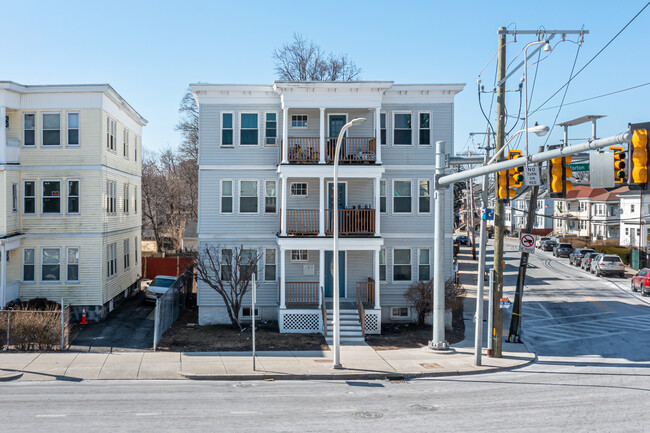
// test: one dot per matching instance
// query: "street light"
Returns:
(547, 47)
(336, 360)
(539, 130)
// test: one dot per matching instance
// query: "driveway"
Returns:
(128, 328)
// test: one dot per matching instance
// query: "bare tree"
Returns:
(229, 272)
(154, 197)
(304, 60)
(420, 294)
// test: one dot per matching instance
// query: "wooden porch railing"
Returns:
(301, 293)
(351, 221)
(353, 149)
(323, 310)
(302, 221)
(366, 291)
(303, 149)
(362, 313)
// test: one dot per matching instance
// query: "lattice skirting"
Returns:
(300, 321)
(373, 321)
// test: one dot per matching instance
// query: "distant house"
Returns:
(605, 215)
(572, 214)
(190, 239)
(634, 218)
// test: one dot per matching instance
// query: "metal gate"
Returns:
(634, 259)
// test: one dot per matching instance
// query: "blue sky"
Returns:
(150, 51)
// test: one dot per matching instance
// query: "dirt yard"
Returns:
(407, 336)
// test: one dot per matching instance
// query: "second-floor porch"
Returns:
(308, 150)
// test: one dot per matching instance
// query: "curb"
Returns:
(6, 377)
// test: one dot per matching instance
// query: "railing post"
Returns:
(376, 278)
(283, 207)
(283, 284)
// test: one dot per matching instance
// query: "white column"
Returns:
(3, 137)
(321, 274)
(321, 153)
(378, 133)
(376, 278)
(321, 208)
(285, 135)
(283, 282)
(377, 206)
(3, 269)
(283, 207)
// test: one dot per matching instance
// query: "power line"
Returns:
(596, 97)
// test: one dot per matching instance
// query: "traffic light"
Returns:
(559, 172)
(516, 175)
(504, 191)
(638, 175)
(619, 163)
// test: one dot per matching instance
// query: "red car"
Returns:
(641, 281)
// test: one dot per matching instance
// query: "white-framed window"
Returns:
(401, 196)
(249, 129)
(135, 199)
(29, 265)
(50, 264)
(14, 197)
(248, 262)
(110, 134)
(270, 196)
(127, 254)
(111, 197)
(271, 129)
(111, 259)
(125, 198)
(270, 264)
(402, 129)
(246, 312)
(72, 136)
(298, 189)
(382, 127)
(424, 203)
(135, 250)
(400, 313)
(299, 120)
(382, 264)
(135, 148)
(51, 130)
(29, 197)
(72, 264)
(299, 255)
(424, 128)
(424, 264)
(631, 208)
(401, 264)
(248, 193)
(226, 196)
(226, 129)
(226, 264)
(29, 130)
(73, 197)
(125, 143)
(382, 196)
(51, 197)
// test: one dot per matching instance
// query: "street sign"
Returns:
(488, 214)
(531, 175)
(527, 243)
(505, 303)
(579, 166)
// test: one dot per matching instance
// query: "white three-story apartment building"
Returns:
(70, 169)
(265, 183)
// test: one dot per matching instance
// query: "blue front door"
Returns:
(329, 281)
(337, 121)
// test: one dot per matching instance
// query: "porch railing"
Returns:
(303, 149)
(362, 313)
(353, 149)
(323, 310)
(366, 292)
(302, 221)
(351, 221)
(301, 293)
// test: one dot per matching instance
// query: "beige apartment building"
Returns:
(70, 212)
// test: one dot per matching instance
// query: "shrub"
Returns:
(33, 325)
(420, 294)
(622, 252)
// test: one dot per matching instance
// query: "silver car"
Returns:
(608, 264)
(158, 286)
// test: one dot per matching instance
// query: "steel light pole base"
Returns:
(337, 366)
(440, 345)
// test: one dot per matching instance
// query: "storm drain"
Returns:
(396, 379)
(368, 415)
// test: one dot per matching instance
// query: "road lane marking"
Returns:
(340, 410)
(147, 413)
(244, 412)
(51, 415)
(598, 304)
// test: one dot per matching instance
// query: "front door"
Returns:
(342, 198)
(337, 121)
(329, 270)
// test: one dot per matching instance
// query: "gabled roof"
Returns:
(611, 195)
(584, 191)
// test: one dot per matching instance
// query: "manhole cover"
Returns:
(243, 385)
(424, 408)
(368, 415)
(323, 360)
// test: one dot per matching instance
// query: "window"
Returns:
(248, 130)
(28, 264)
(424, 266)
(125, 139)
(425, 197)
(226, 196)
(29, 130)
(271, 130)
(110, 134)
(399, 312)
(270, 196)
(29, 197)
(73, 129)
(72, 264)
(382, 196)
(299, 189)
(382, 265)
(298, 120)
(73, 196)
(135, 250)
(51, 264)
(226, 129)
(401, 265)
(125, 198)
(51, 129)
(135, 199)
(111, 259)
(402, 129)
(425, 129)
(51, 196)
(382, 127)
(111, 196)
(246, 312)
(135, 148)
(298, 255)
(269, 264)
(248, 196)
(127, 254)
(14, 197)
(226, 264)
(631, 208)
(248, 263)
(402, 196)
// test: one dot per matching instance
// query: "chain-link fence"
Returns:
(169, 305)
(35, 330)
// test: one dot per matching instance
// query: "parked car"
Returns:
(608, 264)
(462, 240)
(641, 282)
(592, 268)
(562, 250)
(585, 263)
(158, 286)
(548, 245)
(541, 241)
(575, 258)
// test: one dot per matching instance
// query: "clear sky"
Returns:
(149, 51)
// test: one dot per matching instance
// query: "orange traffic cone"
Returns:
(83, 317)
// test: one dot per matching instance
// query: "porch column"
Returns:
(378, 134)
(321, 153)
(285, 135)
(321, 275)
(283, 208)
(376, 278)
(377, 205)
(3, 137)
(283, 283)
(3, 269)
(321, 207)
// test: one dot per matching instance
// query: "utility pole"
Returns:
(471, 216)
(499, 209)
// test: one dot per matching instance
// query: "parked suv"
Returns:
(641, 282)
(608, 264)
(562, 250)
(585, 263)
(575, 258)
(548, 245)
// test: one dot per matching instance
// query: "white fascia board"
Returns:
(379, 86)
(332, 99)
(323, 243)
(422, 93)
(235, 94)
(326, 170)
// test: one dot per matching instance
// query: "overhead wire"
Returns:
(596, 97)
